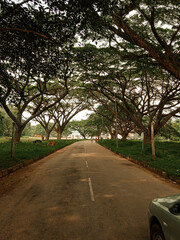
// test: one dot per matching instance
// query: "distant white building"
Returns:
(75, 135)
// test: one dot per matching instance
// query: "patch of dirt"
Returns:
(18, 177)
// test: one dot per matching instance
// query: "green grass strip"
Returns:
(167, 154)
(28, 150)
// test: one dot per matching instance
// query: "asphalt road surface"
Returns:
(82, 192)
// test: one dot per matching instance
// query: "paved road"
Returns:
(83, 192)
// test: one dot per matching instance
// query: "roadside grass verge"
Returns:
(167, 154)
(28, 150)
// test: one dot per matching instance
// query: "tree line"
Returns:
(51, 68)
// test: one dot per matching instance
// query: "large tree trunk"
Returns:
(147, 138)
(113, 135)
(59, 135)
(124, 137)
(47, 135)
(17, 135)
(82, 134)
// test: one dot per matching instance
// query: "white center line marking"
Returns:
(91, 190)
(86, 164)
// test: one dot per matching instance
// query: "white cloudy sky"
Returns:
(82, 115)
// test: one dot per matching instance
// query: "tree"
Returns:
(176, 125)
(65, 110)
(34, 79)
(110, 114)
(145, 100)
(94, 125)
(107, 119)
(45, 119)
(144, 94)
(32, 90)
(36, 40)
(5, 124)
(80, 126)
(39, 130)
(27, 130)
(67, 131)
(150, 28)
(170, 131)
(91, 127)
(1, 124)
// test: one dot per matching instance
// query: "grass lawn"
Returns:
(167, 154)
(27, 150)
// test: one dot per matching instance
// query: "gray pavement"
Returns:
(83, 192)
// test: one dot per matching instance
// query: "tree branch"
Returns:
(26, 31)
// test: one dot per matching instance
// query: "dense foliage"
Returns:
(135, 65)
(138, 29)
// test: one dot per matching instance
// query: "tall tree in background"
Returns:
(46, 121)
(112, 119)
(144, 94)
(5, 124)
(80, 126)
(169, 132)
(65, 110)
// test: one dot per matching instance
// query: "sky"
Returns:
(82, 115)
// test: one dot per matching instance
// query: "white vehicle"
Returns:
(164, 218)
